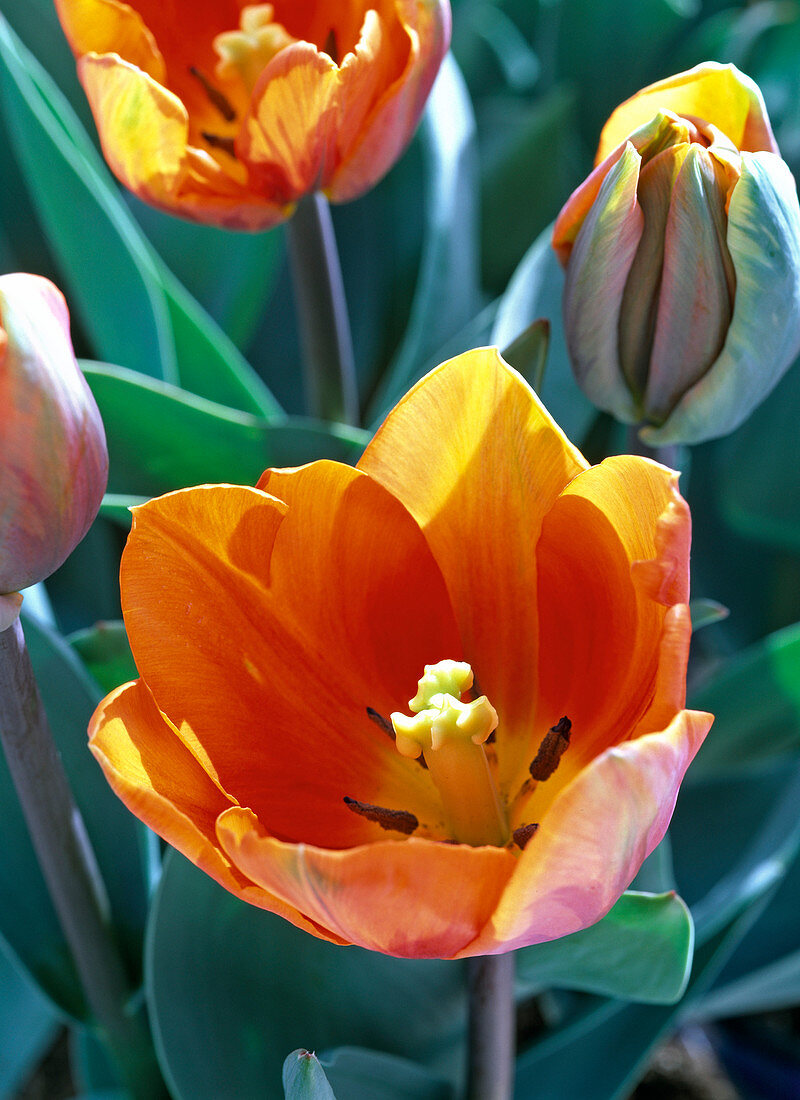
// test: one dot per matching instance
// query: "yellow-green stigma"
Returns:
(451, 734)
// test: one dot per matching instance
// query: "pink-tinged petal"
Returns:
(53, 453)
(597, 273)
(695, 301)
(412, 899)
(479, 463)
(151, 771)
(268, 627)
(594, 838)
(719, 94)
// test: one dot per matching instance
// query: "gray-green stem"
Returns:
(492, 1027)
(329, 368)
(69, 867)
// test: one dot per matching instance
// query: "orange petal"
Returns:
(288, 137)
(144, 130)
(402, 62)
(150, 770)
(110, 26)
(413, 899)
(594, 838)
(614, 553)
(478, 461)
(269, 628)
(719, 94)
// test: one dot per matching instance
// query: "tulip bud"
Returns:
(682, 255)
(52, 448)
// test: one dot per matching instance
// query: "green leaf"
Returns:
(28, 1025)
(231, 988)
(359, 1074)
(528, 353)
(756, 700)
(161, 438)
(304, 1078)
(112, 282)
(105, 653)
(447, 294)
(535, 292)
(641, 951)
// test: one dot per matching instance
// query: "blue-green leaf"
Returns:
(304, 1078)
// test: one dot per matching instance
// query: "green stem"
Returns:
(69, 867)
(671, 454)
(491, 1027)
(330, 376)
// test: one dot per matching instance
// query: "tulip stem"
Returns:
(69, 867)
(669, 454)
(330, 375)
(491, 1027)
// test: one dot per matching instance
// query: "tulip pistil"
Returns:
(451, 733)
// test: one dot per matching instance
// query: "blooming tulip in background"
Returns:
(682, 255)
(52, 447)
(535, 605)
(228, 113)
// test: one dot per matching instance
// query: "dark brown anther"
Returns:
(216, 98)
(523, 834)
(399, 820)
(381, 722)
(331, 47)
(553, 745)
(216, 141)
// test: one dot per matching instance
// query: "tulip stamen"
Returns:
(399, 821)
(452, 734)
(523, 833)
(217, 141)
(554, 744)
(216, 98)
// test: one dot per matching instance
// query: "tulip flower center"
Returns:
(451, 734)
(244, 54)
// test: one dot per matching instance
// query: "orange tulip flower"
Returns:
(280, 631)
(228, 113)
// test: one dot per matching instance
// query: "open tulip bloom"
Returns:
(682, 255)
(228, 113)
(532, 608)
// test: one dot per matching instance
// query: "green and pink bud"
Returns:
(52, 447)
(682, 256)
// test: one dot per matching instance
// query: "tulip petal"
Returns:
(288, 137)
(412, 899)
(695, 301)
(594, 838)
(52, 445)
(613, 555)
(764, 335)
(479, 462)
(268, 627)
(151, 771)
(719, 94)
(599, 265)
(413, 50)
(144, 130)
(110, 26)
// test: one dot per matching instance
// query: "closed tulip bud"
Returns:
(682, 256)
(52, 447)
